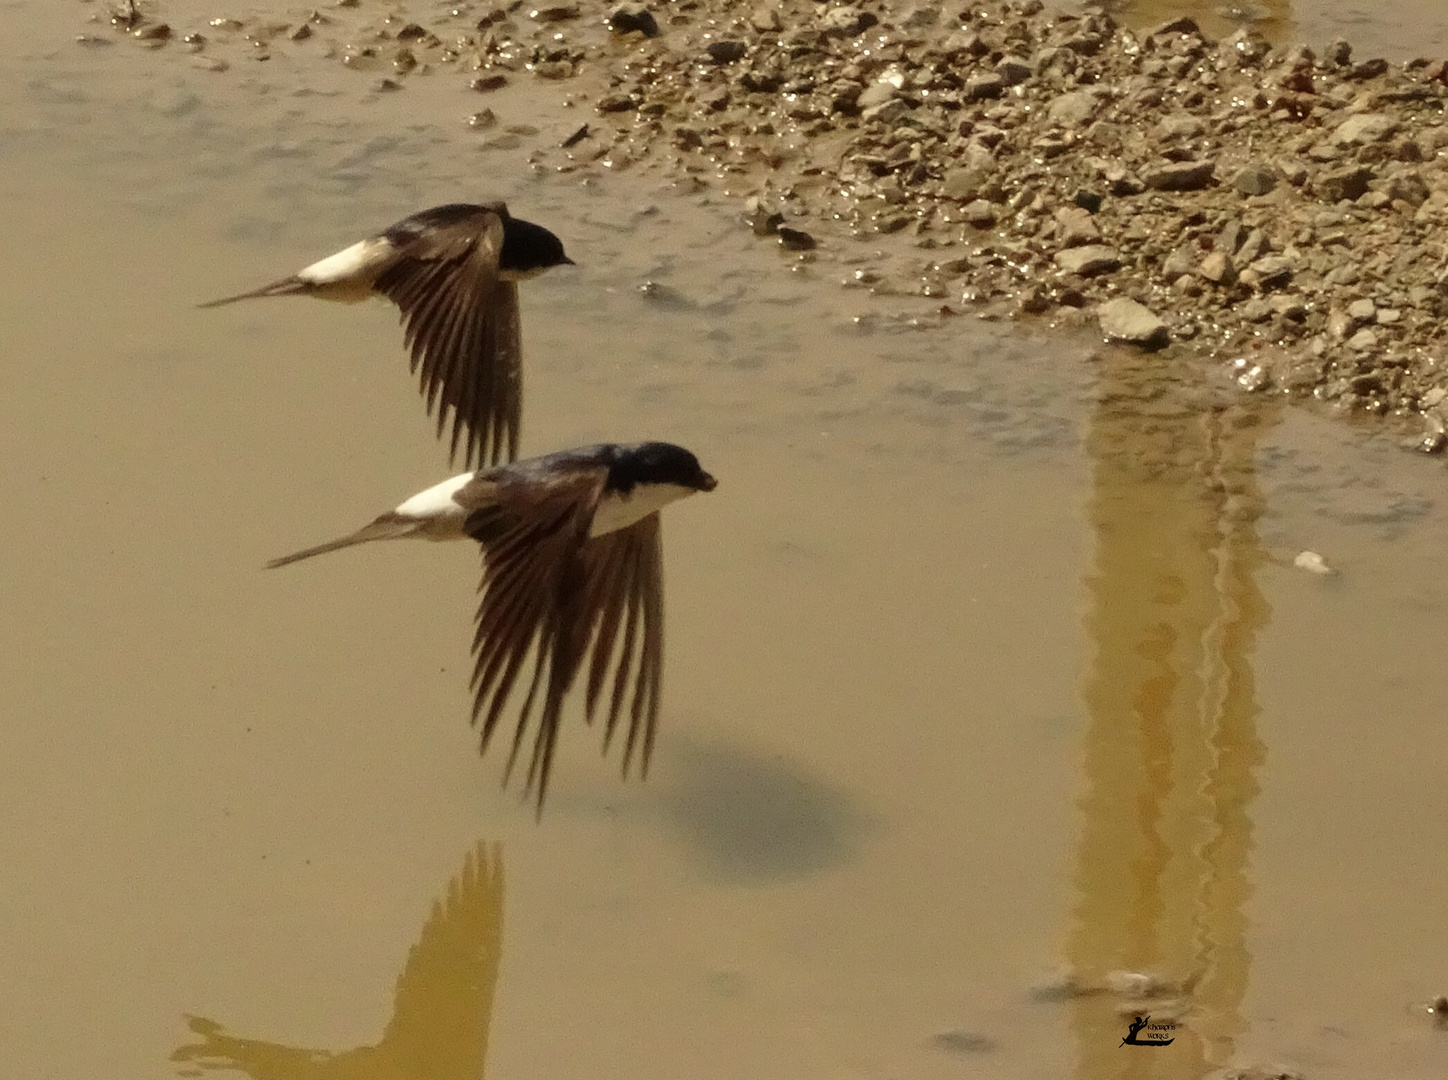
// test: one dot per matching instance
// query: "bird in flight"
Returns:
(573, 573)
(454, 272)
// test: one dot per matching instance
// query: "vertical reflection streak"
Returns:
(1171, 748)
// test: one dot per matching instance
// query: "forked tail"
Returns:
(387, 527)
(290, 286)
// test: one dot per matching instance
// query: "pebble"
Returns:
(1271, 272)
(979, 213)
(1218, 269)
(632, 19)
(1363, 341)
(1088, 261)
(1347, 183)
(1073, 109)
(1013, 70)
(727, 51)
(1075, 227)
(1252, 246)
(1123, 319)
(988, 85)
(1366, 128)
(795, 239)
(1179, 176)
(1255, 179)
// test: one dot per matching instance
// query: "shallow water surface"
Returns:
(1395, 29)
(990, 678)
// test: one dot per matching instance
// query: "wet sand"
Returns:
(985, 660)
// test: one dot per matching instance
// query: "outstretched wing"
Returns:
(533, 589)
(461, 328)
(623, 611)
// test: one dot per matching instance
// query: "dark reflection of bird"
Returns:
(442, 1010)
(453, 271)
(574, 563)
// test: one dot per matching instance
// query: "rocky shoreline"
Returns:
(1282, 211)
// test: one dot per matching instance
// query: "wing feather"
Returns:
(568, 603)
(461, 331)
(532, 539)
(626, 570)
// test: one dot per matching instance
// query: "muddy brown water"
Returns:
(987, 660)
(1396, 29)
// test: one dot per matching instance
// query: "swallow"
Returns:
(573, 572)
(453, 271)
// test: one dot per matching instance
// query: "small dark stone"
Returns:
(616, 103)
(484, 83)
(1255, 180)
(989, 85)
(1123, 183)
(1089, 201)
(1349, 183)
(1375, 68)
(1180, 176)
(795, 239)
(1339, 53)
(1013, 70)
(634, 19)
(727, 51)
(410, 32)
(576, 138)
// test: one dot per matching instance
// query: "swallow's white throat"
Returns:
(617, 511)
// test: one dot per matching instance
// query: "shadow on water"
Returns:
(749, 819)
(1171, 744)
(441, 1013)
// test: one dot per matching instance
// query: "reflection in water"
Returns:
(1171, 742)
(442, 1012)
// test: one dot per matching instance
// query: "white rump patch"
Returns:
(620, 511)
(358, 264)
(437, 501)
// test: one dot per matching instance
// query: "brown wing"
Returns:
(533, 589)
(624, 613)
(461, 328)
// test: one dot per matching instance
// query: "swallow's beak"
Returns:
(567, 262)
(706, 482)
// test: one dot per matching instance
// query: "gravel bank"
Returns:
(1282, 211)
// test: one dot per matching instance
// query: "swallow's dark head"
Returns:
(529, 249)
(658, 463)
